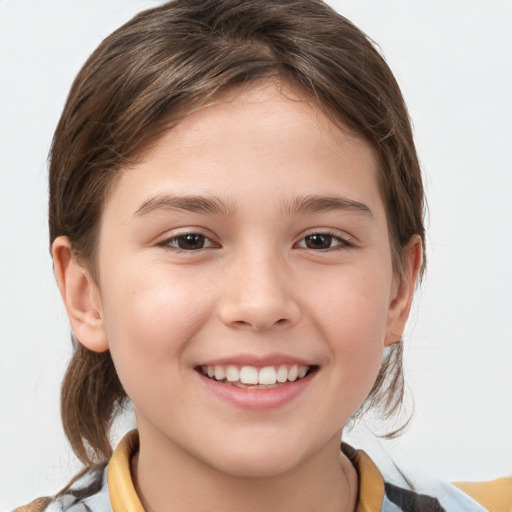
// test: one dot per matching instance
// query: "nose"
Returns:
(258, 294)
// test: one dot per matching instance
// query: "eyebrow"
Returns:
(216, 206)
(316, 204)
(201, 204)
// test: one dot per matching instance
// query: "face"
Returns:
(245, 284)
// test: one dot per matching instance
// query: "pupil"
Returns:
(318, 241)
(191, 242)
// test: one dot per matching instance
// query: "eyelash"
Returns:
(342, 243)
(173, 242)
(168, 242)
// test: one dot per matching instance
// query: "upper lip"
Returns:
(257, 360)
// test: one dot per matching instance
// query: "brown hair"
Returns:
(167, 62)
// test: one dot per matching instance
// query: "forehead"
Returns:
(267, 134)
(269, 113)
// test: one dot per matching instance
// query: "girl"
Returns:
(236, 225)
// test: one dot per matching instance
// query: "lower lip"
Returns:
(258, 399)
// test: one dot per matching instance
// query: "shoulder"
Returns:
(35, 506)
(430, 494)
(495, 496)
(474, 497)
(87, 493)
(386, 488)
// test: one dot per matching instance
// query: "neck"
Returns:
(325, 482)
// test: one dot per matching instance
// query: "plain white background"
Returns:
(453, 60)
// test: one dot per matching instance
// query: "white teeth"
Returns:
(282, 374)
(266, 376)
(232, 373)
(220, 374)
(293, 373)
(248, 375)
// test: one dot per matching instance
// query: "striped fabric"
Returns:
(112, 490)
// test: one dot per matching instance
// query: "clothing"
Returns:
(116, 492)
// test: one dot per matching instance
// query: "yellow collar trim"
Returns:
(371, 483)
(495, 495)
(121, 490)
(124, 497)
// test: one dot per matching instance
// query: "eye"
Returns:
(323, 241)
(188, 242)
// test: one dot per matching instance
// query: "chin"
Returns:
(258, 460)
(268, 468)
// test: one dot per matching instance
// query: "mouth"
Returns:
(252, 377)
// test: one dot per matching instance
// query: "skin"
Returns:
(259, 286)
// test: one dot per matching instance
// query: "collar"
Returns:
(371, 484)
(124, 497)
(120, 484)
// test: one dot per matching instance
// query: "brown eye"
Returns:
(318, 241)
(188, 242)
(323, 241)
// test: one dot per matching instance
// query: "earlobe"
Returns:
(80, 295)
(401, 300)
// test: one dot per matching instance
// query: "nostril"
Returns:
(259, 324)
(241, 323)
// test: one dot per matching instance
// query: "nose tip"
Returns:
(259, 301)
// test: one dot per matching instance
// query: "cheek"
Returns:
(149, 320)
(352, 315)
(353, 305)
(149, 317)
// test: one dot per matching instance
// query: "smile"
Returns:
(257, 388)
(252, 377)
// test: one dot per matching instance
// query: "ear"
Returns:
(80, 295)
(403, 290)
